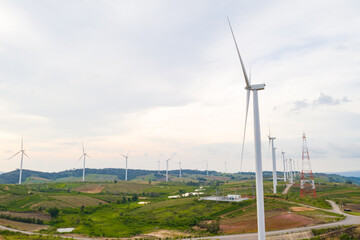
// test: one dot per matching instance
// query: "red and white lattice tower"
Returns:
(307, 184)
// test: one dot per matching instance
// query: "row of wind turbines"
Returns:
(290, 166)
(85, 155)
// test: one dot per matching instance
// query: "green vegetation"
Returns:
(341, 233)
(111, 208)
(7, 235)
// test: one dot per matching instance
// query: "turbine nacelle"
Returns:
(253, 87)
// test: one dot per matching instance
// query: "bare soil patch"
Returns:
(36, 215)
(42, 179)
(90, 188)
(23, 226)
(291, 236)
(78, 201)
(166, 234)
(94, 190)
(300, 209)
(282, 221)
(354, 207)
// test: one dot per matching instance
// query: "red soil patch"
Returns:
(40, 178)
(300, 209)
(92, 190)
(354, 207)
(217, 178)
(283, 221)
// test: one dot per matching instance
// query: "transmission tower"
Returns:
(307, 184)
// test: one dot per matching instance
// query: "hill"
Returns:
(349, 174)
(111, 174)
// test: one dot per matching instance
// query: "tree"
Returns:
(134, 198)
(54, 212)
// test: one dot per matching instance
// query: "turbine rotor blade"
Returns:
(83, 147)
(26, 155)
(246, 115)
(80, 157)
(241, 62)
(14, 155)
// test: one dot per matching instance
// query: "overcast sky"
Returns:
(162, 77)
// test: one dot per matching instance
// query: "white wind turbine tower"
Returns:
(167, 167)
(207, 168)
(22, 151)
(126, 164)
(179, 168)
(225, 166)
(259, 177)
(284, 162)
(294, 168)
(158, 161)
(271, 140)
(298, 168)
(84, 155)
(291, 171)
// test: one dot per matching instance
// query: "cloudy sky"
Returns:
(162, 77)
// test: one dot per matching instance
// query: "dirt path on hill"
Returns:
(288, 186)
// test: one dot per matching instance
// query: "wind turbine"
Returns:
(158, 161)
(284, 162)
(22, 151)
(271, 140)
(207, 168)
(84, 155)
(291, 171)
(167, 167)
(180, 168)
(126, 164)
(225, 166)
(259, 177)
(296, 166)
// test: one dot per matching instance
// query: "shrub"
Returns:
(54, 212)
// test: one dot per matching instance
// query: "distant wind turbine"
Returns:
(158, 166)
(84, 155)
(284, 163)
(291, 170)
(167, 167)
(207, 168)
(22, 151)
(126, 164)
(271, 141)
(179, 169)
(259, 177)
